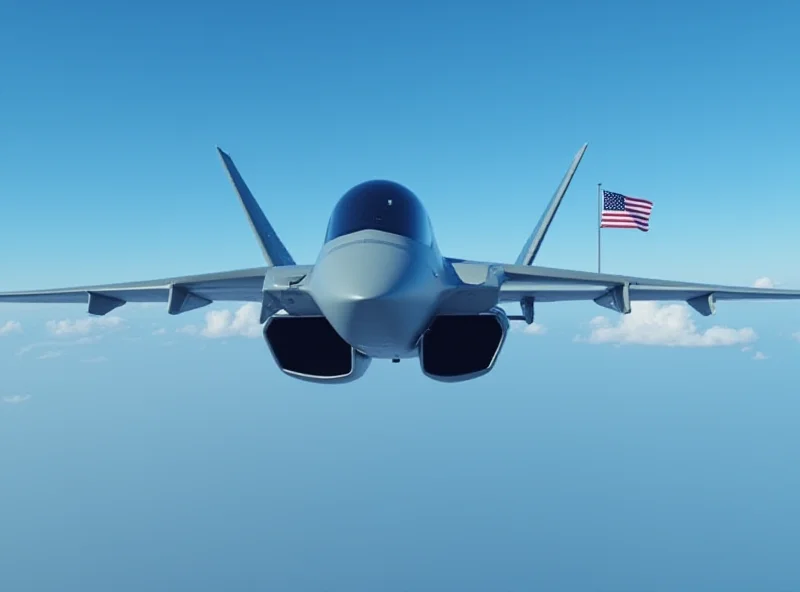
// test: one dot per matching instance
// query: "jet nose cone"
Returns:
(365, 271)
(376, 295)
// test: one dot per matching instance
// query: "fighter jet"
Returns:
(381, 288)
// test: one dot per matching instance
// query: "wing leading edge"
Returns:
(268, 285)
(521, 283)
(616, 292)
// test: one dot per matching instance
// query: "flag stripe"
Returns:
(626, 221)
(611, 218)
(621, 211)
(638, 201)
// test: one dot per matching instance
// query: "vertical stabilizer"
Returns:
(531, 248)
(275, 252)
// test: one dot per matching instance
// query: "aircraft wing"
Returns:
(526, 284)
(272, 286)
(529, 284)
(278, 286)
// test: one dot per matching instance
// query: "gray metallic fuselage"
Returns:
(379, 290)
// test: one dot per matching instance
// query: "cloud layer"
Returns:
(10, 327)
(87, 340)
(95, 360)
(763, 282)
(668, 325)
(83, 326)
(532, 329)
(244, 322)
(16, 399)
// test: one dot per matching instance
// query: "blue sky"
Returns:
(653, 452)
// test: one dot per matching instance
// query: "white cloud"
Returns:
(532, 329)
(796, 336)
(80, 341)
(535, 329)
(159, 331)
(669, 325)
(10, 327)
(759, 356)
(84, 326)
(16, 399)
(763, 282)
(747, 348)
(50, 355)
(243, 322)
(224, 323)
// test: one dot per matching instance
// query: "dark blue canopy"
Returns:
(380, 205)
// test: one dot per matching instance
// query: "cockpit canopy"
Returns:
(380, 205)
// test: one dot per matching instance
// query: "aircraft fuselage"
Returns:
(380, 275)
(382, 289)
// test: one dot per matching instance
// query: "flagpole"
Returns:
(599, 221)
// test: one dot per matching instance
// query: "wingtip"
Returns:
(581, 152)
(221, 152)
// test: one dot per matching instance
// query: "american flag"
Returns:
(621, 211)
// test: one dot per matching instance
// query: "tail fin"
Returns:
(531, 248)
(275, 252)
